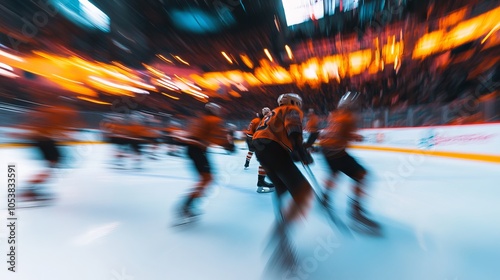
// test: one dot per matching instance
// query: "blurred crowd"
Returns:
(441, 84)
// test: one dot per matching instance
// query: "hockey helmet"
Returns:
(213, 108)
(349, 100)
(290, 99)
(266, 111)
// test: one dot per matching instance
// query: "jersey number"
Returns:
(263, 124)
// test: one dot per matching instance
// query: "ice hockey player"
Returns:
(113, 129)
(252, 126)
(48, 127)
(340, 131)
(206, 130)
(278, 143)
(262, 185)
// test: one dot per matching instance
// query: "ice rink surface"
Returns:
(440, 221)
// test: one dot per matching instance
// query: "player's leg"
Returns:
(333, 160)
(286, 177)
(52, 156)
(262, 185)
(250, 151)
(202, 166)
(357, 204)
(279, 160)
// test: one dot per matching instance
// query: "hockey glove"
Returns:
(231, 148)
(299, 152)
(302, 155)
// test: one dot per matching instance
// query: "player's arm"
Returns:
(221, 136)
(293, 126)
(314, 123)
(353, 131)
(249, 127)
(356, 137)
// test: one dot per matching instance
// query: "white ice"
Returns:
(440, 220)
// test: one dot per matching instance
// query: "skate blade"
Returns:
(185, 221)
(282, 261)
(35, 203)
(366, 230)
(265, 191)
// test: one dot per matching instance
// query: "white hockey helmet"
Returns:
(213, 108)
(266, 111)
(349, 100)
(290, 99)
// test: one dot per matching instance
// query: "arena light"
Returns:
(83, 13)
(289, 51)
(428, 44)
(67, 80)
(491, 32)
(246, 60)
(227, 57)
(164, 58)
(118, 86)
(6, 73)
(11, 56)
(170, 96)
(181, 60)
(268, 54)
(5, 66)
(93, 100)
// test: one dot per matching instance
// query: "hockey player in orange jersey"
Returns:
(206, 130)
(252, 126)
(262, 185)
(278, 143)
(339, 133)
(48, 126)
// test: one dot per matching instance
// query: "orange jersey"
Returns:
(341, 130)
(312, 123)
(253, 126)
(52, 122)
(134, 130)
(279, 124)
(205, 131)
(148, 131)
(120, 130)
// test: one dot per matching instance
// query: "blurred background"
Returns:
(415, 62)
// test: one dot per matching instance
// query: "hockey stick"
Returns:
(333, 217)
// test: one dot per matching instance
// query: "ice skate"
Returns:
(265, 189)
(33, 197)
(263, 186)
(284, 256)
(361, 223)
(186, 215)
